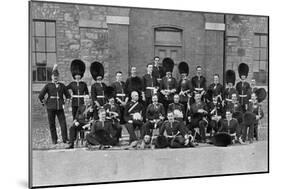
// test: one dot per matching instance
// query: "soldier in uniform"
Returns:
(228, 130)
(178, 109)
(235, 107)
(112, 110)
(97, 89)
(243, 87)
(215, 114)
(157, 71)
(184, 86)
(168, 84)
(102, 132)
(54, 103)
(82, 121)
(229, 90)
(199, 82)
(134, 83)
(199, 111)
(155, 115)
(150, 85)
(253, 86)
(133, 116)
(255, 107)
(79, 88)
(176, 137)
(121, 99)
(216, 89)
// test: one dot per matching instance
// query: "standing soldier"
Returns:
(256, 108)
(97, 89)
(199, 82)
(184, 86)
(54, 103)
(150, 85)
(79, 88)
(243, 87)
(157, 71)
(134, 83)
(229, 90)
(253, 86)
(216, 89)
(168, 84)
(119, 87)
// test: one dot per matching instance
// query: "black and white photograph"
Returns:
(125, 94)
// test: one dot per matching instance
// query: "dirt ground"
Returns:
(56, 167)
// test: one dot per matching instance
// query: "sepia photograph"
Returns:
(125, 94)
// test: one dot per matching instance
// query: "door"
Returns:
(174, 53)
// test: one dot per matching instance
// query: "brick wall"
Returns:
(240, 31)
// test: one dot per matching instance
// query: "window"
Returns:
(260, 56)
(168, 36)
(43, 49)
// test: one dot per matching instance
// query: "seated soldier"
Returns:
(155, 113)
(102, 132)
(215, 113)
(175, 137)
(113, 114)
(133, 116)
(198, 111)
(82, 120)
(230, 125)
(236, 109)
(178, 109)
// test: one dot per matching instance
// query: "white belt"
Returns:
(120, 94)
(199, 89)
(100, 96)
(243, 95)
(229, 100)
(78, 96)
(151, 88)
(56, 97)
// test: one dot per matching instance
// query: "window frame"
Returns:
(35, 52)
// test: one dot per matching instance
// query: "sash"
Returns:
(132, 107)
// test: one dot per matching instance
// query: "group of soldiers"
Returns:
(182, 111)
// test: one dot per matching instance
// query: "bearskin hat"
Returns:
(243, 69)
(261, 94)
(239, 116)
(161, 142)
(168, 65)
(183, 68)
(77, 67)
(96, 70)
(55, 70)
(249, 118)
(230, 77)
(222, 139)
(109, 92)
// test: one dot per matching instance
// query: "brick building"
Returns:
(121, 37)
